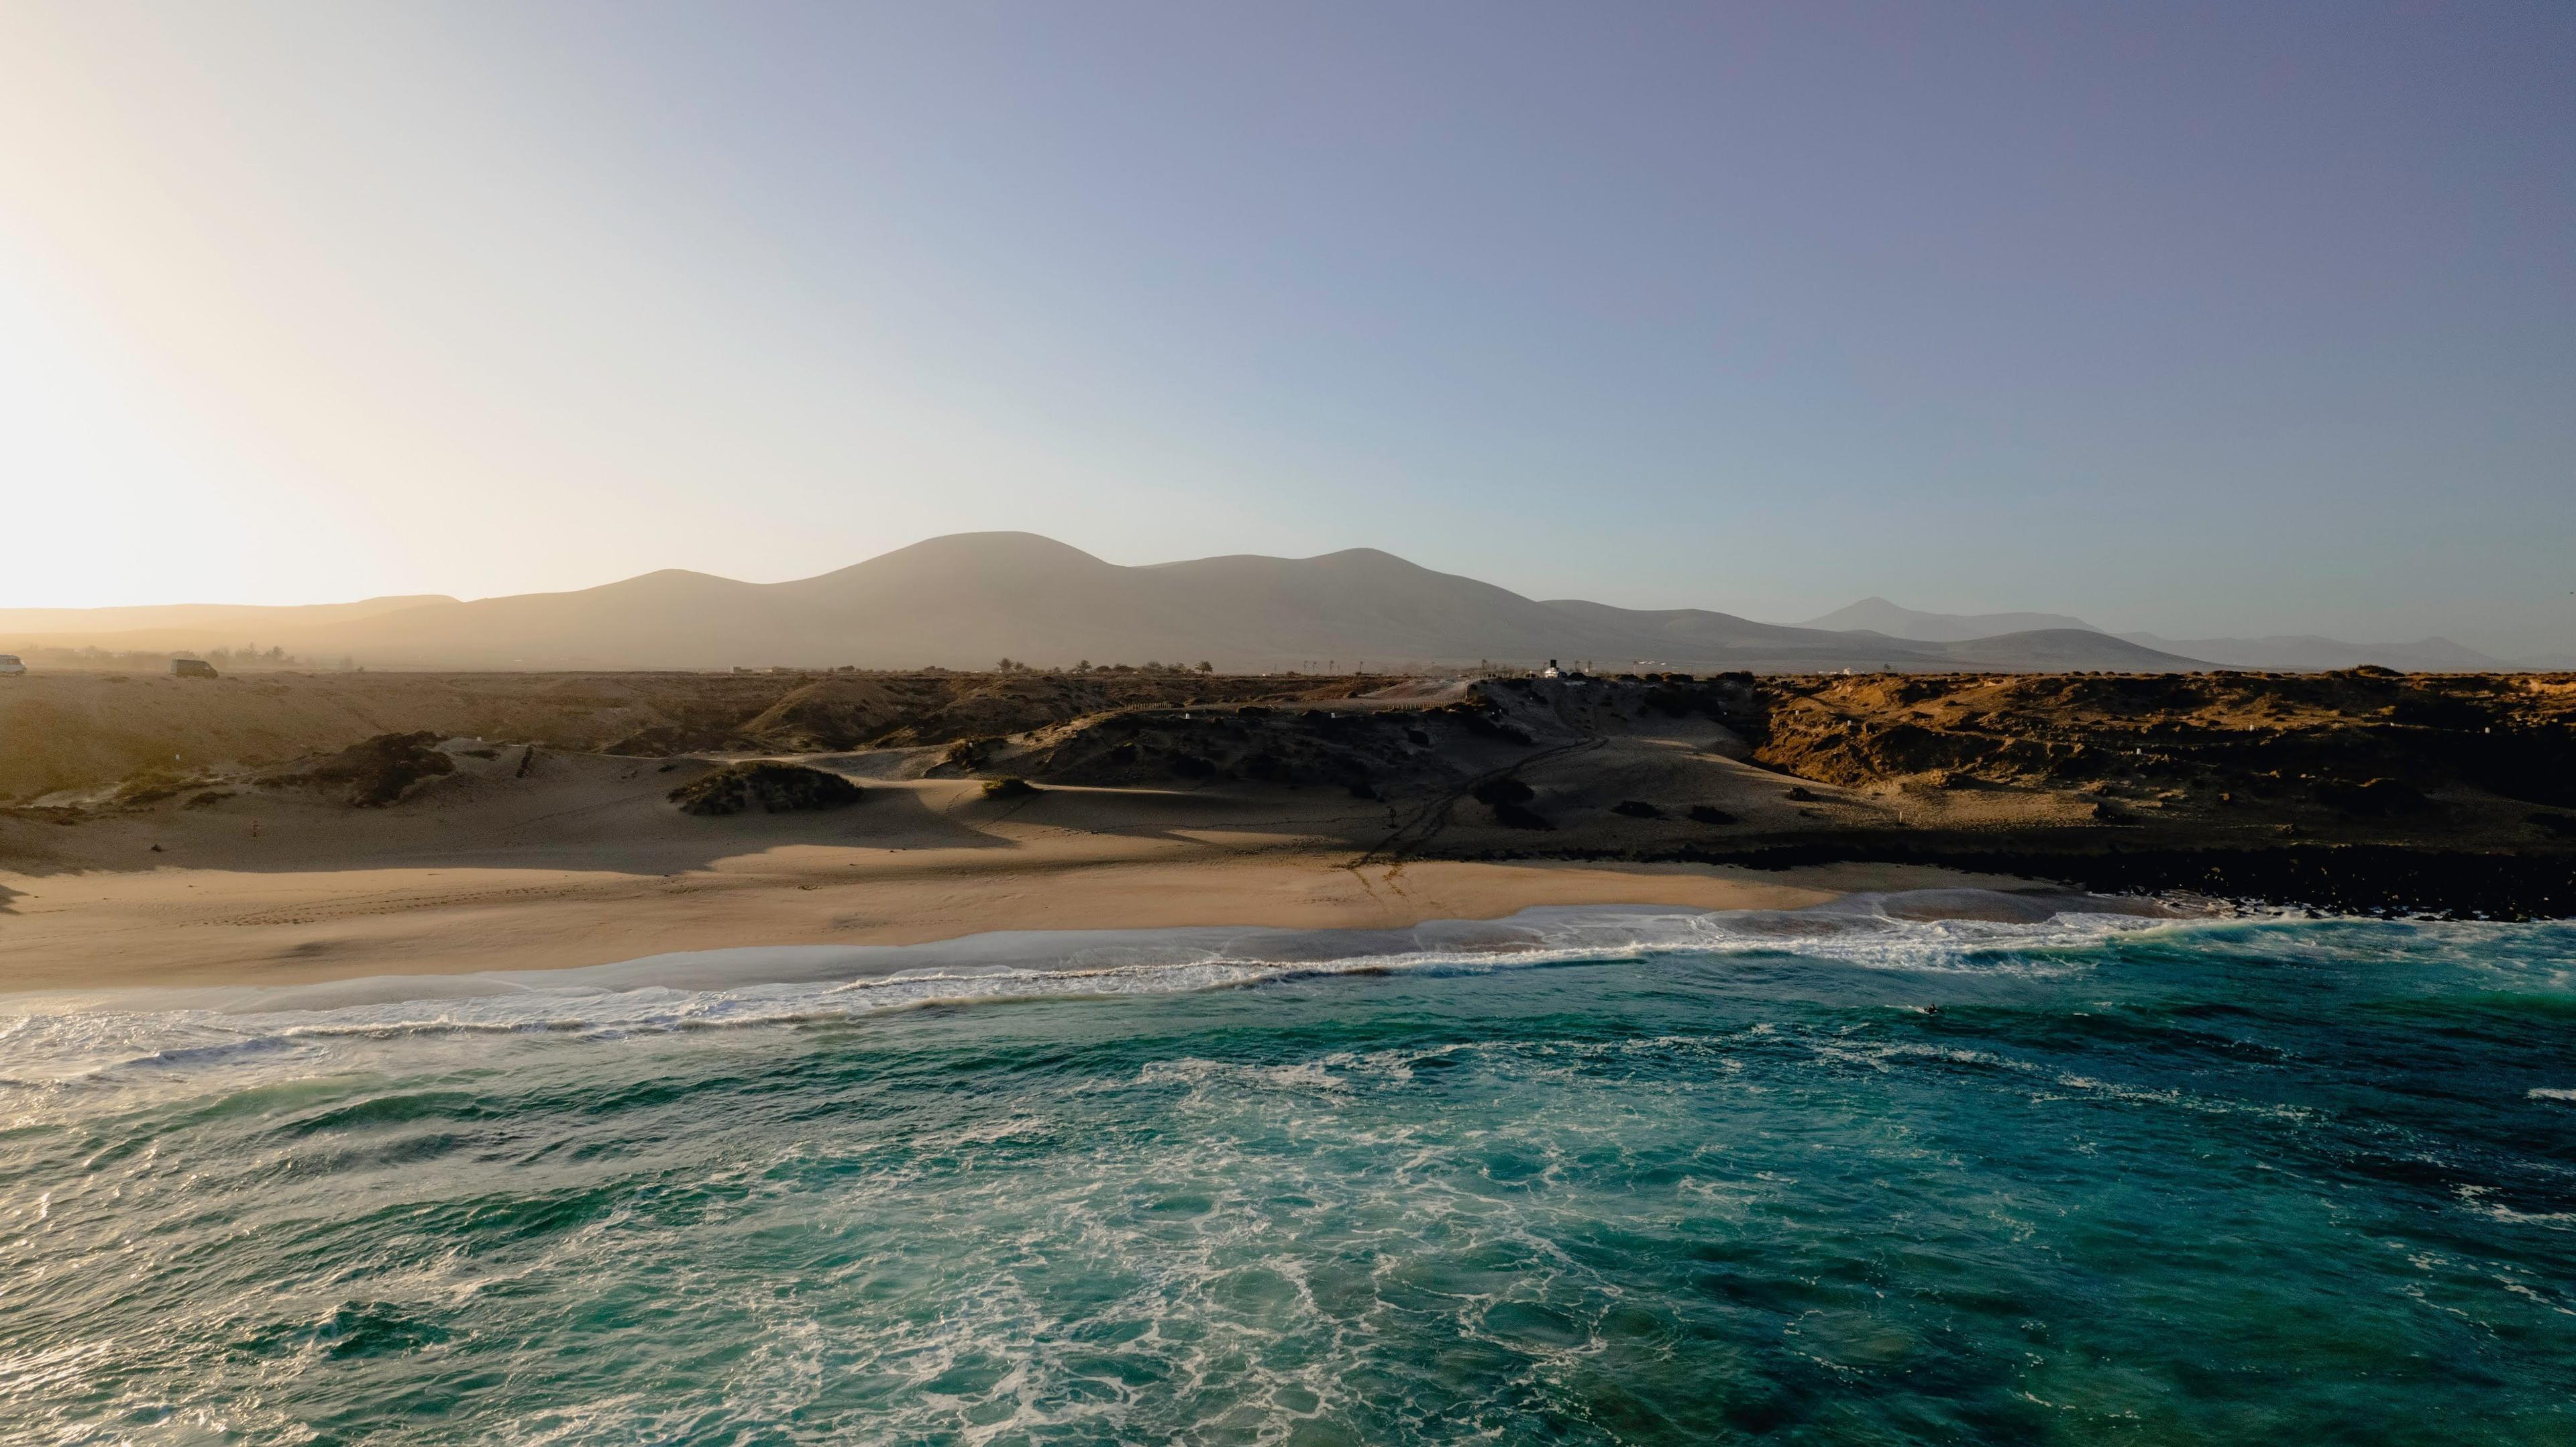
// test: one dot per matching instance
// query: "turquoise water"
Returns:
(1858, 1177)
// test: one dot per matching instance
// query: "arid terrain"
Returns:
(77, 731)
(299, 826)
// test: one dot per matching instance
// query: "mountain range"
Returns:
(967, 600)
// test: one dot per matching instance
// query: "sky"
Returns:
(2205, 320)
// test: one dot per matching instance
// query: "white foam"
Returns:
(55, 1038)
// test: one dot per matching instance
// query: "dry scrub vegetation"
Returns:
(1994, 771)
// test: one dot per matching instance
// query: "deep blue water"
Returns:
(1890, 1181)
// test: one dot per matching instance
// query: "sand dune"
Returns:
(582, 860)
(1224, 801)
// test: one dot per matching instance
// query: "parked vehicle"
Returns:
(10, 666)
(191, 668)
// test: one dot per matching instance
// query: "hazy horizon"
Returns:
(2200, 323)
(964, 600)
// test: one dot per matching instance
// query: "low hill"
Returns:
(1877, 615)
(2068, 649)
(2309, 652)
(2287, 652)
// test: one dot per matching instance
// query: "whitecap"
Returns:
(63, 1037)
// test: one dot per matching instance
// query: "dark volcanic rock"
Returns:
(2373, 798)
(777, 788)
(382, 769)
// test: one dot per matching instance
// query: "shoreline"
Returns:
(2381, 881)
(470, 858)
(179, 928)
(756, 983)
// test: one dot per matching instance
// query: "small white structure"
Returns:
(1550, 671)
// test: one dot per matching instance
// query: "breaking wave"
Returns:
(1939, 931)
(1991, 1167)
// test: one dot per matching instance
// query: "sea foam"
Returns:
(63, 1035)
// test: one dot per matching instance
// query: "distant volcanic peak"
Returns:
(1005, 549)
(1372, 558)
(1345, 561)
(670, 580)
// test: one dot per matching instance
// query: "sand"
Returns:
(585, 863)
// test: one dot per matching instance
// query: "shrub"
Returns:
(774, 787)
(1009, 789)
(382, 769)
(1481, 723)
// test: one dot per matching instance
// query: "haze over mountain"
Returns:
(220, 621)
(965, 600)
(2282, 651)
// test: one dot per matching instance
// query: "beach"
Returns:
(592, 866)
(293, 828)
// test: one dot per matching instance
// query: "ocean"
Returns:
(1923, 1168)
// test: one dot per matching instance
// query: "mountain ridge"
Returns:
(964, 600)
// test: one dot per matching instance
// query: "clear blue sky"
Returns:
(2224, 319)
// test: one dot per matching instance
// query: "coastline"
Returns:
(2383, 881)
(413, 857)
(175, 928)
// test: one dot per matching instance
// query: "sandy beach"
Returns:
(595, 868)
(204, 838)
